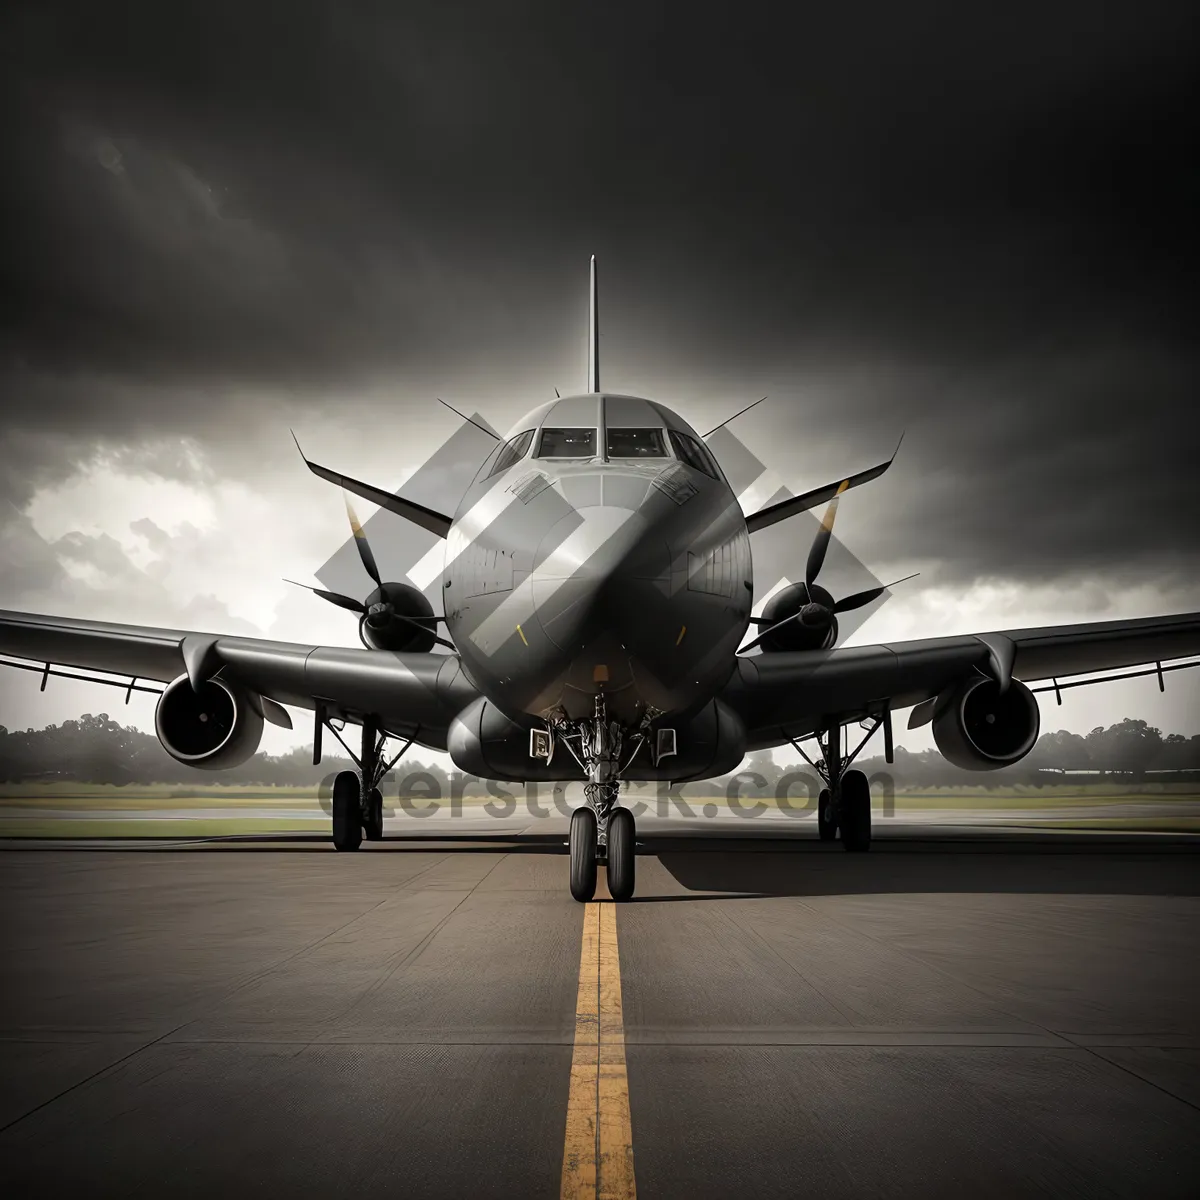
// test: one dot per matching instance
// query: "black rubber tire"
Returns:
(373, 825)
(347, 813)
(826, 819)
(854, 812)
(583, 854)
(622, 852)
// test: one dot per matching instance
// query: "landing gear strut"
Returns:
(826, 817)
(844, 805)
(357, 800)
(602, 829)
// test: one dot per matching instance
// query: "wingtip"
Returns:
(898, 445)
(298, 446)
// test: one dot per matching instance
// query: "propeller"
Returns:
(818, 612)
(381, 612)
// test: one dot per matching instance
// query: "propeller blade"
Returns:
(364, 547)
(758, 640)
(333, 597)
(816, 555)
(438, 641)
(766, 633)
(859, 599)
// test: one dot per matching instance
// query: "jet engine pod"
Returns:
(383, 627)
(218, 726)
(980, 728)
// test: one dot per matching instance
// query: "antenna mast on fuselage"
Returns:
(594, 337)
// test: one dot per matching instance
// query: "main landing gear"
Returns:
(357, 800)
(602, 831)
(844, 805)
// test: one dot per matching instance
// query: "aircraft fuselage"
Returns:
(610, 556)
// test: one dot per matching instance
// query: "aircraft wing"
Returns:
(410, 692)
(786, 695)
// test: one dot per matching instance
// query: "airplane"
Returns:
(596, 593)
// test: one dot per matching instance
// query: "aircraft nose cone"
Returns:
(592, 568)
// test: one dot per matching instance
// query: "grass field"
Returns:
(135, 797)
(43, 810)
(157, 795)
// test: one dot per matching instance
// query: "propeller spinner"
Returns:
(803, 616)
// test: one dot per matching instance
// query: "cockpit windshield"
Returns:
(635, 443)
(512, 451)
(694, 453)
(567, 443)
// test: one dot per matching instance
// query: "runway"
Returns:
(961, 1010)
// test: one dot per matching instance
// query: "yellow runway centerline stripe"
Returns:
(598, 1151)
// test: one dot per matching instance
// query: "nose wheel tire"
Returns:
(826, 821)
(854, 811)
(373, 821)
(621, 853)
(347, 814)
(583, 854)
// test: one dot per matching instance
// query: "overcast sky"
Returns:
(226, 220)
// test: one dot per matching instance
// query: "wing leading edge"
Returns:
(781, 696)
(408, 691)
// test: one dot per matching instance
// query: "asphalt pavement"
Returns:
(959, 1011)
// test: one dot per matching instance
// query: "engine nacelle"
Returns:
(818, 632)
(712, 742)
(219, 726)
(381, 628)
(979, 728)
(483, 741)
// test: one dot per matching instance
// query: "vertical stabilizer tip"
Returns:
(594, 337)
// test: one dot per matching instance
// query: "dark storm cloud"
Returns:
(973, 226)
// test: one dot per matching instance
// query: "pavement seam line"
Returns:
(112, 1066)
(415, 952)
(751, 934)
(916, 957)
(1120, 1066)
(598, 1143)
(262, 972)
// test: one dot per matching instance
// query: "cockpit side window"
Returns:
(567, 443)
(635, 443)
(512, 451)
(693, 453)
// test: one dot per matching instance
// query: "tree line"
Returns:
(97, 749)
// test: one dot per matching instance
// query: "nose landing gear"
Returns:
(602, 830)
